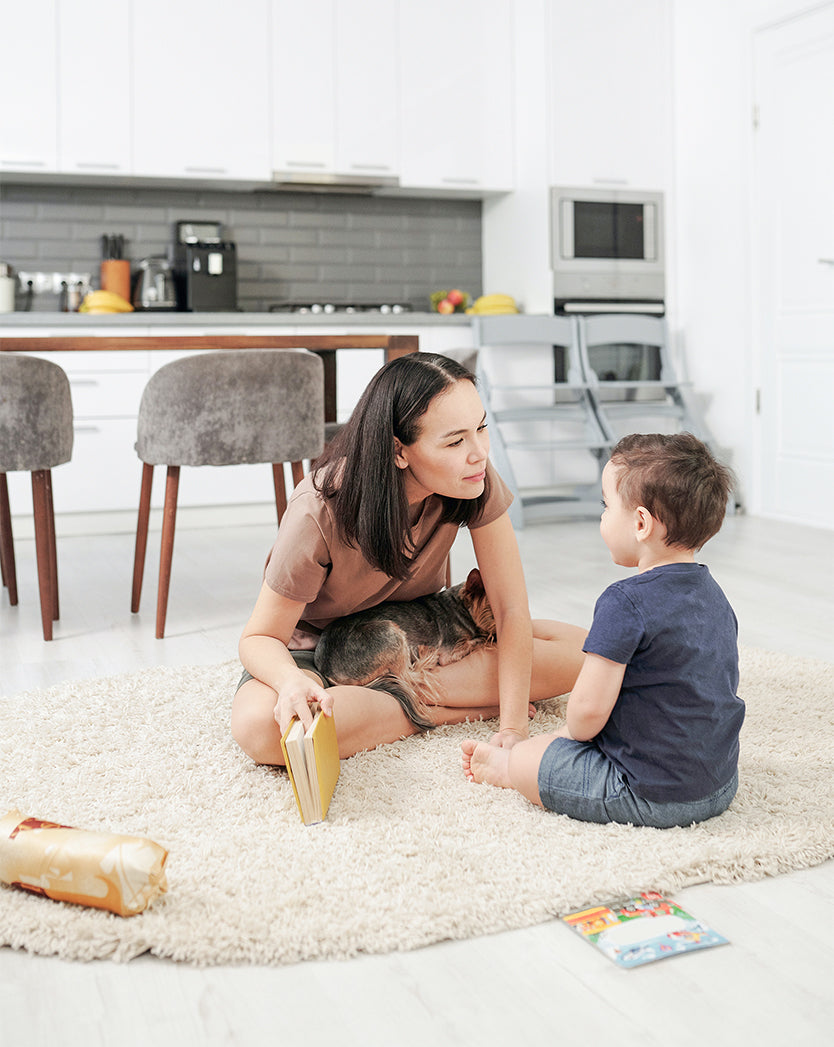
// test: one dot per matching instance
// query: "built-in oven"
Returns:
(607, 250)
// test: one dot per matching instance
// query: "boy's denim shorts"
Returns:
(576, 779)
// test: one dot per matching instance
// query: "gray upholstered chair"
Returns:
(35, 436)
(244, 406)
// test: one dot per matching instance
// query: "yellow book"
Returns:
(312, 759)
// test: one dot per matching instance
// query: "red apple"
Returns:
(455, 297)
(445, 306)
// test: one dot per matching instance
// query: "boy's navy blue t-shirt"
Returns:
(674, 728)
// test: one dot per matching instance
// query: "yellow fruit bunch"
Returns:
(104, 302)
(493, 304)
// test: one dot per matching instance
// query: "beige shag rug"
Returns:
(411, 853)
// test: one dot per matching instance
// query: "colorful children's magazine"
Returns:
(643, 929)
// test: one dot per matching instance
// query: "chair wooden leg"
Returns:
(297, 473)
(169, 520)
(7, 564)
(280, 489)
(46, 582)
(53, 546)
(141, 536)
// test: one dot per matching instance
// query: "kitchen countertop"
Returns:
(84, 323)
(325, 335)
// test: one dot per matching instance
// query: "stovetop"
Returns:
(343, 308)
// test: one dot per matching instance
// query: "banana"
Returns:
(497, 299)
(104, 302)
(493, 304)
(495, 311)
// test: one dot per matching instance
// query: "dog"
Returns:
(393, 647)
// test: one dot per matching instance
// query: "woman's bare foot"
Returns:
(485, 763)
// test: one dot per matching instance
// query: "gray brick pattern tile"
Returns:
(291, 246)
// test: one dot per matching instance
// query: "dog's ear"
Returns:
(473, 587)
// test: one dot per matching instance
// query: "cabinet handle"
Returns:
(461, 181)
(23, 163)
(84, 381)
(84, 165)
(370, 167)
(86, 429)
(307, 163)
(826, 261)
(205, 170)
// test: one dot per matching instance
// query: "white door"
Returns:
(793, 264)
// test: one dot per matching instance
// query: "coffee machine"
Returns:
(204, 267)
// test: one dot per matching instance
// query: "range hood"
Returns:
(331, 182)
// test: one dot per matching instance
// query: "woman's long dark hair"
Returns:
(358, 469)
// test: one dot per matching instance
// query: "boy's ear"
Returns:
(644, 523)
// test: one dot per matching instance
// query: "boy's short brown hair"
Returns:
(676, 478)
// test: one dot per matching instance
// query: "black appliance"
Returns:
(204, 267)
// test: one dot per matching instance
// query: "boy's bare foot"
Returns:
(486, 763)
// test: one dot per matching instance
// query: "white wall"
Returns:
(702, 159)
(712, 229)
(710, 223)
(516, 245)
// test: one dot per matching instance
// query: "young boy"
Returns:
(653, 721)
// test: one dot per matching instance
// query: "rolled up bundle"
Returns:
(105, 870)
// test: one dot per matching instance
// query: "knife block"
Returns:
(115, 277)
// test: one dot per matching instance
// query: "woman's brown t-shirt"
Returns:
(309, 563)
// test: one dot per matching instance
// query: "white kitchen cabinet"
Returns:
(29, 112)
(106, 386)
(201, 89)
(327, 89)
(611, 95)
(367, 96)
(94, 108)
(303, 87)
(456, 84)
(334, 89)
(104, 472)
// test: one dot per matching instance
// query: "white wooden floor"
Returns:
(774, 985)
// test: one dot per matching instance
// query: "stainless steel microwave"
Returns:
(606, 250)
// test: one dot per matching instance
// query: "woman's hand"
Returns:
(508, 737)
(264, 653)
(297, 695)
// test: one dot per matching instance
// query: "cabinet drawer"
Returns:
(80, 361)
(218, 485)
(103, 384)
(104, 473)
(105, 394)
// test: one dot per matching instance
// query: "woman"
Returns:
(376, 522)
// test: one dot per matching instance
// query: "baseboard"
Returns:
(69, 525)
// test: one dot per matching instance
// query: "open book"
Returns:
(642, 929)
(312, 759)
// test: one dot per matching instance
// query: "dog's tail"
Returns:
(408, 697)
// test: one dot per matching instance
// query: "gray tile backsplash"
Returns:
(290, 246)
